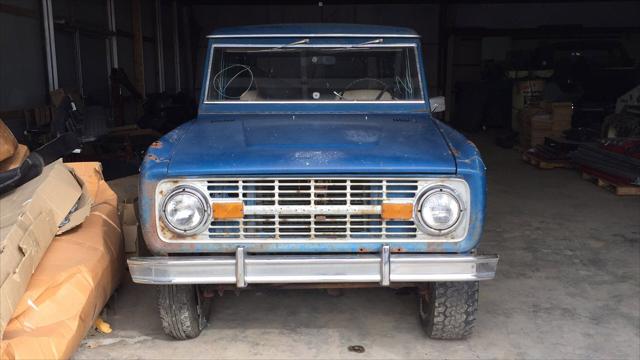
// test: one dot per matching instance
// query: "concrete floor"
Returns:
(568, 286)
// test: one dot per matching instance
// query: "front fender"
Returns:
(153, 169)
(470, 167)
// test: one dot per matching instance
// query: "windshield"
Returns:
(302, 73)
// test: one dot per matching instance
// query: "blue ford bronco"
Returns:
(314, 160)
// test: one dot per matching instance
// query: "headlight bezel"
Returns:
(420, 199)
(192, 190)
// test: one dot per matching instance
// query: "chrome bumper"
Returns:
(383, 268)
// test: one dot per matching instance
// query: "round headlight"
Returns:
(439, 210)
(185, 210)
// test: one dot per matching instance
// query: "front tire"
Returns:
(447, 310)
(184, 312)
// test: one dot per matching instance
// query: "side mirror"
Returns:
(437, 104)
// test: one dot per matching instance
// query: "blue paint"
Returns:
(311, 144)
(325, 139)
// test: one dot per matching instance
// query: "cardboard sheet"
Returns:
(82, 208)
(73, 281)
(29, 219)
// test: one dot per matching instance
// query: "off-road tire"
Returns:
(183, 311)
(447, 310)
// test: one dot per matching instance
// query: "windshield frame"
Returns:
(332, 43)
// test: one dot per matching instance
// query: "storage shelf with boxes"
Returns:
(541, 120)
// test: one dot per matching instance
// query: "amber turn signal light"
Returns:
(228, 210)
(395, 211)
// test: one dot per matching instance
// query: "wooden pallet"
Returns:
(545, 164)
(615, 187)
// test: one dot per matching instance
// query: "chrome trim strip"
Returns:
(351, 102)
(385, 266)
(281, 269)
(207, 84)
(330, 46)
(240, 268)
(417, 267)
(316, 35)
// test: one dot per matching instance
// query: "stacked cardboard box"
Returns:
(533, 121)
(538, 121)
(127, 190)
(561, 114)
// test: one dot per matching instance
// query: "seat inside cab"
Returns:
(365, 95)
(349, 95)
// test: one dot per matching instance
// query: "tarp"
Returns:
(73, 281)
(8, 143)
(29, 219)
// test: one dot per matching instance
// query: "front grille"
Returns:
(312, 208)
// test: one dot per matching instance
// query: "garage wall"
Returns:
(22, 69)
(520, 26)
(23, 75)
(81, 26)
(483, 32)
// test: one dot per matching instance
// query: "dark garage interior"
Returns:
(548, 91)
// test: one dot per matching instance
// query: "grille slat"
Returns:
(312, 208)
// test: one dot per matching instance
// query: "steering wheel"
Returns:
(221, 88)
(380, 94)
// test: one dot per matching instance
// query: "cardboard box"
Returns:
(28, 222)
(72, 283)
(129, 221)
(531, 88)
(545, 119)
(82, 208)
(541, 121)
(127, 190)
(535, 124)
(561, 114)
(8, 143)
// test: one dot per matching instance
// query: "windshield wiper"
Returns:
(281, 47)
(375, 41)
(361, 45)
(299, 42)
